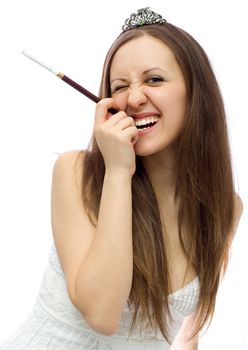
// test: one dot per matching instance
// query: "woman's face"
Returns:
(146, 82)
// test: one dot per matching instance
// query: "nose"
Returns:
(136, 97)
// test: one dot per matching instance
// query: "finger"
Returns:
(124, 123)
(131, 133)
(120, 120)
(135, 138)
(102, 114)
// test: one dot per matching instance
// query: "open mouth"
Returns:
(143, 124)
(146, 126)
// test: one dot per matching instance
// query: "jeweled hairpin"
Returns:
(143, 17)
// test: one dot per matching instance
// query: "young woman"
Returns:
(144, 218)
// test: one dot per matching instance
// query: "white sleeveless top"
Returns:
(56, 324)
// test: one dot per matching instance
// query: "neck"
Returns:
(161, 169)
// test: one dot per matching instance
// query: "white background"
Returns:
(42, 116)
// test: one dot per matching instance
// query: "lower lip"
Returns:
(146, 131)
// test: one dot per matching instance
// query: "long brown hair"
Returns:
(204, 185)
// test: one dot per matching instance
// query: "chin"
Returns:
(143, 151)
(149, 150)
(155, 146)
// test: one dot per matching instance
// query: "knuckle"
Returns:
(105, 102)
(101, 106)
(121, 114)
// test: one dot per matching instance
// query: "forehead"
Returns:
(142, 53)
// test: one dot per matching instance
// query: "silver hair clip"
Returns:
(143, 17)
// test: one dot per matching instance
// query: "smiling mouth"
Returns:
(142, 124)
(147, 126)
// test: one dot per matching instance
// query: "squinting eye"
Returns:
(155, 79)
(119, 88)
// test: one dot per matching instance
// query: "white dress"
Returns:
(55, 323)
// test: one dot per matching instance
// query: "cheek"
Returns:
(173, 102)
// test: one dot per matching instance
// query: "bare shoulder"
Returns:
(238, 203)
(68, 172)
(67, 161)
(238, 210)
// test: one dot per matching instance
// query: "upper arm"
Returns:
(72, 230)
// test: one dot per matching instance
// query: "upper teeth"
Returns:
(145, 121)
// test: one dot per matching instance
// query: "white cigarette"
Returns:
(31, 57)
(67, 80)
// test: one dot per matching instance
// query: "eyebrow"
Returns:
(143, 73)
(154, 68)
